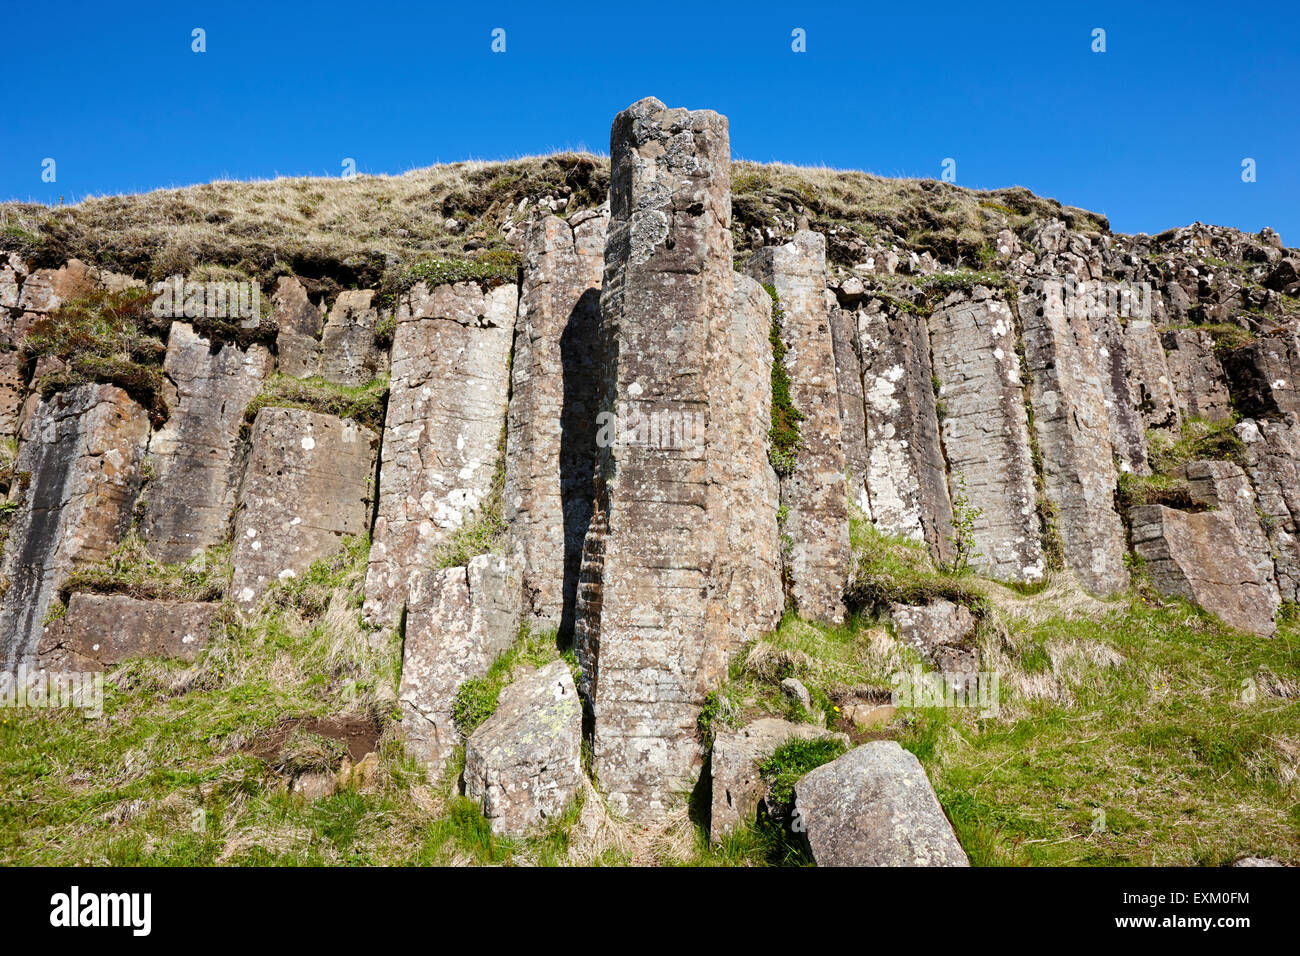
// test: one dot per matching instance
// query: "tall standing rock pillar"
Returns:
(816, 494)
(653, 621)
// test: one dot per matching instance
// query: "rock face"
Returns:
(349, 354)
(1202, 557)
(297, 343)
(815, 494)
(1123, 409)
(82, 459)
(442, 434)
(906, 482)
(1223, 486)
(751, 493)
(986, 431)
(197, 455)
(100, 630)
(1264, 375)
(653, 622)
(1273, 460)
(874, 807)
(1074, 439)
(1197, 377)
(309, 482)
(524, 764)
(942, 632)
(11, 392)
(737, 783)
(1150, 382)
(853, 422)
(458, 621)
(552, 419)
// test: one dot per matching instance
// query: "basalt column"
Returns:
(815, 495)
(553, 406)
(653, 622)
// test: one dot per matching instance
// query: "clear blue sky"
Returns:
(1152, 132)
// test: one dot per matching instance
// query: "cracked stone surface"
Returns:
(197, 455)
(907, 480)
(986, 430)
(815, 494)
(443, 430)
(83, 454)
(1203, 558)
(554, 399)
(348, 352)
(100, 630)
(653, 623)
(309, 483)
(458, 621)
(1074, 438)
(524, 764)
(737, 784)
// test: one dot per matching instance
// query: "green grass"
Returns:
(792, 760)
(476, 699)
(784, 433)
(1143, 753)
(364, 404)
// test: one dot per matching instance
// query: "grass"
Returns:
(792, 760)
(784, 433)
(131, 570)
(476, 699)
(1127, 742)
(364, 404)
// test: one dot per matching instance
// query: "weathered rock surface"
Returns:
(1150, 380)
(986, 431)
(12, 391)
(1265, 375)
(653, 623)
(309, 482)
(1202, 557)
(848, 387)
(1196, 374)
(1273, 461)
(349, 354)
(1074, 438)
(751, 493)
(941, 632)
(815, 494)
(1127, 427)
(1223, 486)
(737, 784)
(554, 399)
(442, 435)
(524, 764)
(906, 483)
(874, 807)
(47, 289)
(82, 458)
(197, 455)
(299, 324)
(99, 630)
(458, 621)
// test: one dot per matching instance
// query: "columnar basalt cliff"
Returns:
(568, 434)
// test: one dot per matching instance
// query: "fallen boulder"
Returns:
(874, 807)
(524, 764)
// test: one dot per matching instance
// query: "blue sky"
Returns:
(1152, 132)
